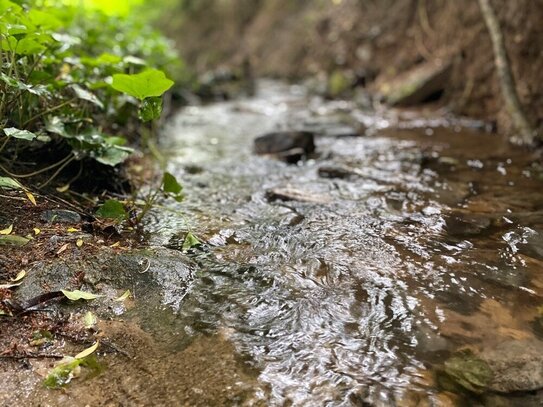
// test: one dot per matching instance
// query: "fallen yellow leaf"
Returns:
(72, 230)
(123, 297)
(87, 352)
(79, 242)
(6, 231)
(37, 231)
(63, 188)
(19, 276)
(116, 244)
(31, 198)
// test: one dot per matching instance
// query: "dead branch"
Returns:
(526, 133)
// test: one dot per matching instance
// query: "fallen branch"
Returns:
(526, 133)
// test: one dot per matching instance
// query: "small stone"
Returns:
(60, 216)
(291, 194)
(281, 142)
(336, 171)
(463, 224)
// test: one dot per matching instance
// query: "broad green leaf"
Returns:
(79, 295)
(150, 109)
(86, 95)
(9, 6)
(20, 134)
(112, 209)
(190, 242)
(9, 183)
(88, 351)
(112, 155)
(13, 240)
(55, 125)
(170, 184)
(42, 19)
(148, 83)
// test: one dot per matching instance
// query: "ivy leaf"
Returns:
(112, 209)
(150, 109)
(79, 295)
(86, 95)
(20, 134)
(113, 155)
(148, 83)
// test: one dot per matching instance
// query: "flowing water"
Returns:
(356, 292)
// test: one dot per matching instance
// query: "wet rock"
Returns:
(465, 224)
(285, 145)
(429, 341)
(422, 83)
(517, 366)
(337, 171)
(160, 275)
(514, 400)
(291, 194)
(60, 216)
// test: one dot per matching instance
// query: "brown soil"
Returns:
(373, 40)
(206, 373)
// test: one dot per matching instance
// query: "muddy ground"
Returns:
(371, 43)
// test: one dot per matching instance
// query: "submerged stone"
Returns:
(285, 144)
(291, 194)
(517, 366)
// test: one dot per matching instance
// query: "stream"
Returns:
(353, 293)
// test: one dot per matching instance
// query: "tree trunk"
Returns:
(526, 133)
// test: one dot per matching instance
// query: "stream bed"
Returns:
(354, 290)
(399, 265)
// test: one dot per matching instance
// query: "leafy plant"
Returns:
(56, 64)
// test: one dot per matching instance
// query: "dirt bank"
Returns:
(372, 42)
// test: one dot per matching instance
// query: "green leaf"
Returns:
(55, 125)
(148, 83)
(62, 374)
(86, 95)
(113, 155)
(112, 209)
(170, 184)
(10, 183)
(190, 242)
(150, 109)
(13, 240)
(79, 295)
(20, 134)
